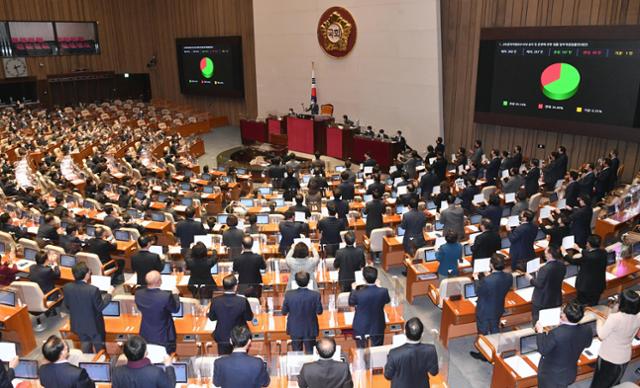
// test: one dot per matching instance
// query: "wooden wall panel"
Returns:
(461, 24)
(131, 31)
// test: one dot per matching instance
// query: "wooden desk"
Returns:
(16, 327)
(392, 252)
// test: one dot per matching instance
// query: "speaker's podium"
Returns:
(339, 141)
(307, 134)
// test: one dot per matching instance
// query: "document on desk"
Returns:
(534, 357)
(549, 317)
(542, 244)
(333, 276)
(210, 325)
(400, 239)
(102, 282)
(7, 351)
(520, 366)
(592, 351)
(609, 276)
(168, 282)
(300, 217)
(482, 265)
(348, 317)
(526, 293)
(184, 280)
(156, 353)
(571, 281)
(145, 223)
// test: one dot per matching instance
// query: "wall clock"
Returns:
(15, 67)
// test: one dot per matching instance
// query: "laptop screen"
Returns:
(157, 217)
(262, 219)
(185, 186)
(214, 269)
(431, 205)
(429, 255)
(279, 202)
(122, 235)
(475, 219)
(112, 309)
(572, 270)
(247, 202)
(469, 290)
(207, 189)
(2, 247)
(528, 344)
(399, 209)
(97, 371)
(180, 312)
(67, 261)
(90, 230)
(400, 231)
(162, 197)
(439, 225)
(467, 250)
(186, 201)
(265, 190)
(611, 257)
(540, 235)
(30, 254)
(222, 218)
(27, 369)
(166, 270)
(522, 282)
(7, 298)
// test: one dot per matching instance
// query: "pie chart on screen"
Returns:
(560, 81)
(206, 67)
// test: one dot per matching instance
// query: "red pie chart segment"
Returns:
(550, 74)
(560, 81)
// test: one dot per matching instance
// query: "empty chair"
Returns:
(534, 202)
(26, 243)
(7, 240)
(275, 218)
(342, 302)
(54, 249)
(95, 265)
(491, 345)
(255, 304)
(447, 288)
(487, 191)
(374, 243)
(37, 302)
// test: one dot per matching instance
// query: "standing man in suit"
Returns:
(487, 243)
(6, 375)
(143, 261)
(239, 369)
(187, 228)
(374, 210)
(591, 280)
(45, 272)
(325, 372)
(428, 181)
(376, 185)
(547, 283)
(58, 372)
(587, 180)
(615, 165)
(342, 207)
(303, 307)
(452, 218)
(580, 218)
(492, 168)
(330, 228)
(603, 180)
(369, 301)
(476, 157)
(561, 347)
(491, 291)
(572, 190)
(232, 237)
(493, 210)
(348, 260)
(532, 178)
(229, 310)
(85, 305)
(346, 187)
(110, 220)
(103, 244)
(522, 239)
(413, 222)
(289, 230)
(156, 306)
(138, 372)
(408, 365)
(248, 266)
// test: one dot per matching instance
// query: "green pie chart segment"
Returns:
(560, 81)
(206, 67)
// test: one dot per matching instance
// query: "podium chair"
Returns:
(326, 109)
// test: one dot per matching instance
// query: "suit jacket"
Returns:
(522, 239)
(494, 213)
(342, 207)
(369, 302)
(200, 270)
(142, 374)
(64, 375)
(408, 365)
(248, 266)
(591, 277)
(374, 210)
(156, 306)
(615, 164)
(303, 307)
(560, 350)
(112, 222)
(603, 182)
(229, 310)
(556, 233)
(289, 230)
(6, 375)
(331, 228)
(563, 164)
(513, 184)
(453, 219)
(232, 237)
(186, 229)
(581, 223)
(102, 248)
(324, 374)
(376, 186)
(143, 262)
(49, 232)
(485, 245)
(240, 370)
(571, 193)
(45, 276)
(531, 184)
(466, 196)
(548, 285)
(448, 256)
(85, 305)
(427, 183)
(440, 168)
(70, 244)
(586, 183)
(413, 223)
(348, 260)
(347, 189)
(492, 170)
(491, 291)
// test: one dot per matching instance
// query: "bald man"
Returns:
(156, 307)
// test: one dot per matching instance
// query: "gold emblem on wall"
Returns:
(337, 32)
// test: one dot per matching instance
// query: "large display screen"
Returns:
(556, 80)
(211, 66)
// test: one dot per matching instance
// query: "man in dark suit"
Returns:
(580, 218)
(342, 207)
(346, 188)
(452, 218)
(374, 210)
(289, 230)
(187, 228)
(561, 347)
(276, 173)
(102, 244)
(70, 241)
(303, 307)
(330, 228)
(428, 182)
(110, 220)
(491, 291)
(300, 206)
(603, 180)
(85, 305)
(6, 375)
(232, 237)
(43, 274)
(156, 306)
(572, 191)
(522, 239)
(487, 242)
(615, 165)
(376, 185)
(58, 372)
(440, 167)
(325, 372)
(48, 230)
(587, 180)
(591, 280)
(248, 266)
(493, 211)
(369, 301)
(492, 168)
(138, 372)
(229, 310)
(143, 261)
(368, 160)
(6, 225)
(348, 260)
(408, 365)
(413, 222)
(466, 195)
(547, 283)
(239, 369)
(551, 172)
(531, 184)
